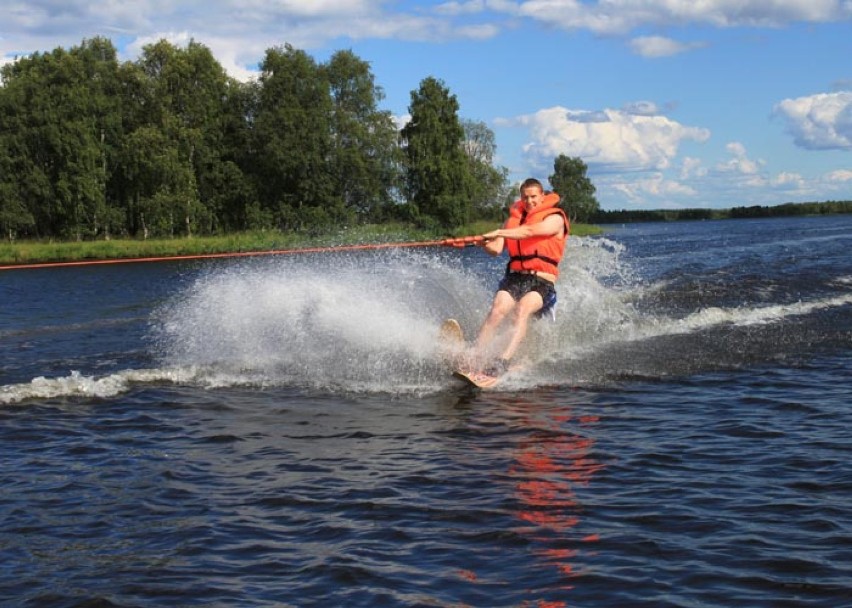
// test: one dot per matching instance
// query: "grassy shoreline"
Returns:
(36, 252)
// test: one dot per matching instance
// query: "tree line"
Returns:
(754, 211)
(169, 145)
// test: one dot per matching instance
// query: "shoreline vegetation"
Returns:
(244, 243)
(33, 252)
(733, 213)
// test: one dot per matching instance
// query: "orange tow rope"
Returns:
(451, 242)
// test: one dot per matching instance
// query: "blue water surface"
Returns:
(285, 432)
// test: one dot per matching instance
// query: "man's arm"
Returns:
(493, 245)
(551, 226)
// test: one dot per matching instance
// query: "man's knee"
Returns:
(529, 305)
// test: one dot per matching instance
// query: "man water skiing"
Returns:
(535, 236)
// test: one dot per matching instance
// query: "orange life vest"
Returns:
(539, 253)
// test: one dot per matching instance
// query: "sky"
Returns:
(672, 104)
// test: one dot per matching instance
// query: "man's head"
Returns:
(532, 193)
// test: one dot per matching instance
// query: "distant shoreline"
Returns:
(736, 213)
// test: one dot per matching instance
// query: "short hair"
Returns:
(530, 182)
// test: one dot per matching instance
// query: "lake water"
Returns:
(281, 431)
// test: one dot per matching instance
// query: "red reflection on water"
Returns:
(550, 466)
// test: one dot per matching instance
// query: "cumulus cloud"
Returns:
(740, 171)
(615, 139)
(656, 186)
(819, 122)
(740, 178)
(659, 46)
(739, 162)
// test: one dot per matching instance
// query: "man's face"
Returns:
(532, 197)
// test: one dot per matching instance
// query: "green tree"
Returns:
(159, 178)
(189, 93)
(15, 218)
(98, 128)
(489, 182)
(292, 142)
(576, 190)
(232, 189)
(183, 99)
(58, 110)
(364, 139)
(438, 180)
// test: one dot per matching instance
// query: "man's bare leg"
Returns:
(528, 305)
(502, 306)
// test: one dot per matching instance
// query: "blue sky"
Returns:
(671, 103)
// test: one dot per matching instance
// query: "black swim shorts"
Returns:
(518, 285)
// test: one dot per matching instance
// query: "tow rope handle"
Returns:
(463, 241)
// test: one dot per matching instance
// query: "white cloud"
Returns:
(482, 31)
(232, 57)
(740, 163)
(176, 38)
(460, 8)
(238, 33)
(840, 175)
(659, 46)
(656, 186)
(819, 122)
(740, 172)
(402, 120)
(620, 16)
(788, 180)
(613, 138)
(828, 185)
(316, 8)
(692, 167)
